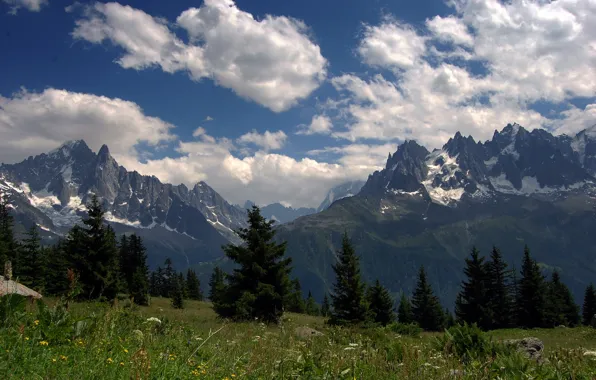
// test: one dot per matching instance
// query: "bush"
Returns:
(468, 343)
(409, 329)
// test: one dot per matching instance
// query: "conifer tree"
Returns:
(380, 304)
(193, 286)
(217, 287)
(325, 307)
(426, 308)
(449, 319)
(31, 267)
(311, 306)
(56, 269)
(8, 244)
(294, 300)
(404, 310)
(177, 297)
(532, 303)
(138, 287)
(154, 285)
(500, 299)
(472, 303)
(258, 288)
(168, 279)
(182, 283)
(561, 309)
(589, 306)
(348, 297)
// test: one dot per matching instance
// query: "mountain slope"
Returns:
(429, 208)
(344, 190)
(281, 213)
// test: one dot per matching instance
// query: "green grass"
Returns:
(119, 343)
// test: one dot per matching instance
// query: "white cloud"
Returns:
(362, 158)
(209, 118)
(272, 61)
(31, 123)
(320, 124)
(267, 140)
(450, 29)
(31, 5)
(530, 51)
(576, 119)
(391, 44)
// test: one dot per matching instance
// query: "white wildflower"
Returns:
(590, 353)
(153, 319)
(353, 344)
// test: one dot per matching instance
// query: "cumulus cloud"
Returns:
(525, 52)
(31, 123)
(267, 140)
(320, 124)
(272, 61)
(31, 5)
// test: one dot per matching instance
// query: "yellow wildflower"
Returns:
(121, 364)
(233, 375)
(26, 338)
(63, 357)
(36, 322)
(125, 350)
(109, 361)
(194, 372)
(54, 360)
(43, 343)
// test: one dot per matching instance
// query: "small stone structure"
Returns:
(8, 286)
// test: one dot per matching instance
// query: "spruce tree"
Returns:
(325, 307)
(8, 244)
(404, 310)
(217, 287)
(169, 275)
(589, 306)
(138, 286)
(294, 300)
(126, 270)
(348, 297)
(56, 269)
(472, 305)
(177, 297)
(380, 304)
(193, 286)
(500, 300)
(561, 309)
(31, 267)
(154, 286)
(182, 283)
(258, 288)
(531, 307)
(426, 308)
(311, 306)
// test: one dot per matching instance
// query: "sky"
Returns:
(278, 101)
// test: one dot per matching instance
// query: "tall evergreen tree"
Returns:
(426, 307)
(217, 287)
(193, 286)
(177, 297)
(404, 310)
(31, 267)
(258, 288)
(8, 244)
(472, 305)
(125, 262)
(154, 284)
(294, 300)
(500, 300)
(169, 275)
(56, 269)
(182, 283)
(325, 307)
(348, 297)
(138, 286)
(380, 304)
(311, 306)
(561, 309)
(589, 306)
(531, 307)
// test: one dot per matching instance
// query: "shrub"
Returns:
(408, 329)
(468, 343)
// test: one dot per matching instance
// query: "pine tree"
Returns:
(217, 287)
(561, 309)
(532, 303)
(8, 244)
(472, 305)
(294, 300)
(138, 287)
(380, 304)
(348, 297)
(154, 285)
(426, 308)
(325, 307)
(31, 267)
(258, 288)
(169, 275)
(589, 307)
(177, 293)
(193, 286)
(500, 300)
(311, 306)
(449, 319)
(56, 269)
(404, 310)
(182, 283)
(125, 264)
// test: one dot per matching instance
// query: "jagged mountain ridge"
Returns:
(429, 208)
(279, 212)
(60, 183)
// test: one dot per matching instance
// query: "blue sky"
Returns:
(280, 100)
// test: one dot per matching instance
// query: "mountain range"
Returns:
(423, 208)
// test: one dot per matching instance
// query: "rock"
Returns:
(532, 347)
(307, 332)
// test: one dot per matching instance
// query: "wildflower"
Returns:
(43, 343)
(590, 353)
(233, 375)
(26, 338)
(353, 344)
(36, 322)
(194, 372)
(54, 360)
(109, 361)
(125, 350)
(121, 364)
(63, 358)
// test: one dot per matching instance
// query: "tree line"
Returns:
(91, 264)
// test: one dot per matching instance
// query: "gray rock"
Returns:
(305, 332)
(532, 347)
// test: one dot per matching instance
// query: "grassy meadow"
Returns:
(95, 341)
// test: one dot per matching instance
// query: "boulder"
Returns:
(307, 332)
(532, 347)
